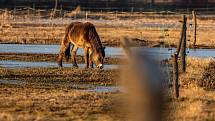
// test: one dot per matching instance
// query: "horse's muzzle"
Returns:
(100, 66)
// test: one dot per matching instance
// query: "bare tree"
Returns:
(55, 8)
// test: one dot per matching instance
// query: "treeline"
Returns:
(108, 5)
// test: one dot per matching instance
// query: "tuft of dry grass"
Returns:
(196, 67)
(194, 103)
(73, 12)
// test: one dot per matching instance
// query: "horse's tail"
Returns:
(67, 53)
(65, 46)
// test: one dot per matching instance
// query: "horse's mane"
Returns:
(94, 38)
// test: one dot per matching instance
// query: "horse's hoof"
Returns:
(60, 65)
(75, 66)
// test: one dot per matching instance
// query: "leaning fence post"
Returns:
(175, 75)
(182, 33)
(195, 27)
(183, 51)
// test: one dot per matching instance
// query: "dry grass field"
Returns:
(145, 30)
(55, 94)
(51, 104)
(197, 101)
(50, 94)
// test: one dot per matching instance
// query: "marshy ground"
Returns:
(59, 94)
(71, 94)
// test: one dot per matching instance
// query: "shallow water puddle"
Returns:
(49, 49)
(161, 53)
(105, 89)
(23, 64)
(13, 82)
(79, 87)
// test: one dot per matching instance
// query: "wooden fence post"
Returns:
(183, 51)
(195, 27)
(86, 15)
(14, 12)
(175, 75)
(28, 13)
(182, 34)
(34, 9)
(39, 15)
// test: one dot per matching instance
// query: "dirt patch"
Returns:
(47, 76)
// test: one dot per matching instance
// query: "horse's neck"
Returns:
(96, 45)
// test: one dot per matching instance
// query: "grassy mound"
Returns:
(200, 72)
(208, 78)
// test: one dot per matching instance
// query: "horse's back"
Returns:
(83, 35)
(71, 25)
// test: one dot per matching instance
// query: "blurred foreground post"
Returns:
(144, 82)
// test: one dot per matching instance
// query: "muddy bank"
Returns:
(47, 76)
(27, 103)
(50, 58)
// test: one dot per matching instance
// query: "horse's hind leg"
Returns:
(90, 58)
(86, 57)
(74, 51)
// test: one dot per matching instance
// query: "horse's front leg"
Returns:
(86, 57)
(65, 45)
(74, 51)
(91, 58)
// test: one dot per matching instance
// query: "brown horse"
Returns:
(82, 35)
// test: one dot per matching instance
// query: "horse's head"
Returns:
(98, 58)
